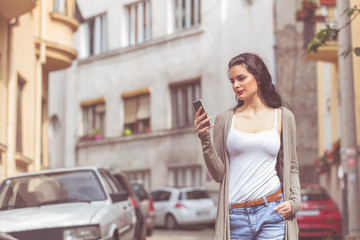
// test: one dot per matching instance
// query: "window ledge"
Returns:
(197, 30)
(136, 137)
(19, 157)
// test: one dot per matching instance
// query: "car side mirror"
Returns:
(119, 197)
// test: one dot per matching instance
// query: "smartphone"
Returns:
(197, 104)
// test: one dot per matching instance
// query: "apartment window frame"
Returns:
(185, 176)
(182, 95)
(60, 6)
(95, 32)
(137, 111)
(186, 14)
(19, 114)
(94, 117)
(138, 21)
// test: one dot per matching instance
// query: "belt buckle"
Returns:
(246, 204)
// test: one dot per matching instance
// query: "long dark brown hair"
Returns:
(256, 66)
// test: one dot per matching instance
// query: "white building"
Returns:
(141, 63)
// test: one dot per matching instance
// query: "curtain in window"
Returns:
(144, 107)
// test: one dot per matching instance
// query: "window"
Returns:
(185, 176)
(138, 22)
(140, 176)
(20, 87)
(60, 6)
(186, 13)
(183, 94)
(137, 113)
(94, 118)
(95, 36)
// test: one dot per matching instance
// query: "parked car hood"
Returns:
(48, 216)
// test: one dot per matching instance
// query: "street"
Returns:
(193, 233)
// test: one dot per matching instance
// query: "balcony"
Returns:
(315, 15)
(58, 35)
(15, 8)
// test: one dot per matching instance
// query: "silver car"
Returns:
(65, 204)
(183, 206)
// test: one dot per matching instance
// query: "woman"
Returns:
(253, 157)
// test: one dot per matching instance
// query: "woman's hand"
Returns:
(284, 209)
(202, 123)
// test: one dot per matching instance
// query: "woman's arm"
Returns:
(212, 153)
(295, 199)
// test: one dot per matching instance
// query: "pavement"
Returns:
(195, 233)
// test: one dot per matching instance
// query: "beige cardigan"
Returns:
(217, 162)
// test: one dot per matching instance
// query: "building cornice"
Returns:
(154, 42)
(136, 137)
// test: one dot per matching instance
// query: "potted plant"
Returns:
(301, 15)
(96, 133)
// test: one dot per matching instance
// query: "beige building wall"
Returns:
(328, 55)
(36, 37)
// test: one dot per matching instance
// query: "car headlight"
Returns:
(82, 233)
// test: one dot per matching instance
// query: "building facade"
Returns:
(332, 174)
(36, 37)
(126, 102)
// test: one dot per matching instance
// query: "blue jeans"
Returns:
(257, 222)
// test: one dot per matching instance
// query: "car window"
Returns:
(193, 195)
(313, 193)
(50, 188)
(140, 192)
(110, 183)
(160, 196)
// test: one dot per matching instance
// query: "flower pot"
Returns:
(98, 137)
(328, 3)
(318, 18)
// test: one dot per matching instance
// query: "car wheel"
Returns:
(170, 222)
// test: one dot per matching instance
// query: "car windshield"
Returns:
(50, 188)
(313, 193)
(193, 195)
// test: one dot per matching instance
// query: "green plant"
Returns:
(95, 132)
(331, 33)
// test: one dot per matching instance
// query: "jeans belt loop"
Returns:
(265, 201)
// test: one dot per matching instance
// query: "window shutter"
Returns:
(130, 110)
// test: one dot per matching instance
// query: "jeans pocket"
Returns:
(277, 217)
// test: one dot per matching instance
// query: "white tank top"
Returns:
(252, 163)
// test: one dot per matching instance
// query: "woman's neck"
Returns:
(253, 107)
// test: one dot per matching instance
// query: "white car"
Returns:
(66, 204)
(183, 206)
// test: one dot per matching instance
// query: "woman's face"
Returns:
(243, 83)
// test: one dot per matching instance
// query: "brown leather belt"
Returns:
(270, 198)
